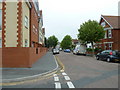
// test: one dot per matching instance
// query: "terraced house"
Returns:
(111, 26)
(21, 33)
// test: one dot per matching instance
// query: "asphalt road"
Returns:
(80, 72)
(87, 72)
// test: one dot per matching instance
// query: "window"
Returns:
(0, 19)
(105, 46)
(33, 44)
(26, 43)
(103, 24)
(103, 52)
(35, 30)
(109, 33)
(110, 46)
(0, 42)
(105, 35)
(26, 21)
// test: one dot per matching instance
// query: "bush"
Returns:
(95, 50)
(98, 49)
(89, 49)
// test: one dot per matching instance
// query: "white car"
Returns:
(80, 49)
(55, 51)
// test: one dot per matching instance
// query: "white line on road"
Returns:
(61, 70)
(64, 73)
(67, 77)
(56, 78)
(55, 75)
(57, 85)
(70, 85)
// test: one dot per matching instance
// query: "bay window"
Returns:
(110, 33)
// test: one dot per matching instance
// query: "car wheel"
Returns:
(108, 60)
(84, 54)
(97, 57)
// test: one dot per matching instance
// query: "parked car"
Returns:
(67, 50)
(80, 50)
(55, 51)
(60, 49)
(109, 56)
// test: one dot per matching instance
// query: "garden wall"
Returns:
(21, 57)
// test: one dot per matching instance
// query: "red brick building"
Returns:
(34, 32)
(75, 41)
(111, 26)
(21, 25)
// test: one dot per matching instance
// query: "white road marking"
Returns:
(61, 70)
(57, 85)
(67, 77)
(64, 73)
(70, 85)
(55, 75)
(56, 78)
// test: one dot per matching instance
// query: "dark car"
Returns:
(109, 56)
(67, 50)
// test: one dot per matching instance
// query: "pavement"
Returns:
(44, 65)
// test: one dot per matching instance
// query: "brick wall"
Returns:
(0, 57)
(21, 57)
(34, 23)
(115, 38)
(119, 39)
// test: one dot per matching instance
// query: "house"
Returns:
(20, 26)
(111, 26)
(41, 30)
(75, 42)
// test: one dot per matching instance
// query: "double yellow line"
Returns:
(46, 76)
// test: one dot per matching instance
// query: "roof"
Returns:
(112, 20)
(74, 40)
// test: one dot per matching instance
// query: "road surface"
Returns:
(80, 72)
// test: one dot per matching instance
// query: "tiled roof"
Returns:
(74, 40)
(113, 21)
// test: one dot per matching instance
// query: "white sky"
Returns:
(63, 17)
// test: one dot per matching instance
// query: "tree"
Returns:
(52, 41)
(66, 42)
(91, 32)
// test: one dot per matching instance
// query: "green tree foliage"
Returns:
(52, 41)
(66, 42)
(91, 32)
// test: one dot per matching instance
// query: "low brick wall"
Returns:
(0, 57)
(90, 53)
(21, 57)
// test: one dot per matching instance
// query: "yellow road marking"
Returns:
(47, 76)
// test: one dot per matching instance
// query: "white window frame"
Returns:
(26, 21)
(110, 46)
(103, 24)
(105, 35)
(109, 33)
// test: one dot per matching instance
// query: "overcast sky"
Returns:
(63, 17)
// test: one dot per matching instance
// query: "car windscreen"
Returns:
(118, 54)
